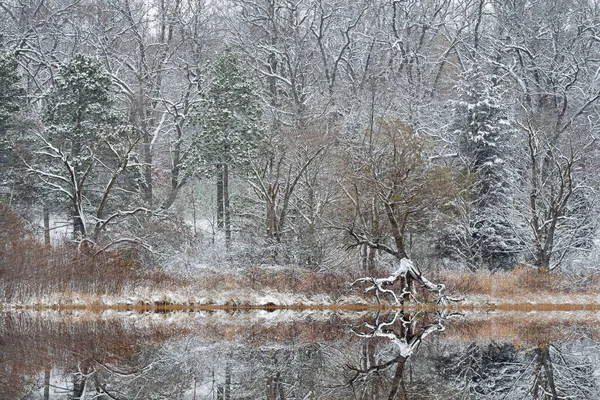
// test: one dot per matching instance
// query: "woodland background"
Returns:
(315, 133)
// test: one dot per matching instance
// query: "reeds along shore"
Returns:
(31, 269)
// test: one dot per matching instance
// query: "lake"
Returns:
(282, 354)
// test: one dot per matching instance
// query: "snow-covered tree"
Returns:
(12, 97)
(12, 94)
(77, 119)
(396, 178)
(482, 235)
(229, 133)
(556, 89)
(85, 148)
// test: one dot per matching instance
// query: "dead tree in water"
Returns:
(405, 271)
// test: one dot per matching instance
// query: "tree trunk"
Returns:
(542, 259)
(176, 183)
(270, 388)
(193, 200)
(220, 196)
(47, 242)
(398, 384)
(226, 208)
(79, 383)
(544, 379)
(78, 225)
(368, 255)
(147, 187)
(170, 198)
(227, 391)
(280, 387)
(47, 383)
(271, 213)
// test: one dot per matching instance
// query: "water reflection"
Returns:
(297, 356)
(404, 335)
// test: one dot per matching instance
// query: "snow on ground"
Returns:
(185, 296)
(194, 296)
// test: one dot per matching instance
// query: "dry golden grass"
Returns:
(160, 308)
(29, 269)
(521, 281)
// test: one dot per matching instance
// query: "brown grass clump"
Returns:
(522, 329)
(30, 344)
(520, 281)
(29, 270)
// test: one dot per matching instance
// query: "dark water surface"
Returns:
(299, 355)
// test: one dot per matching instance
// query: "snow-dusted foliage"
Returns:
(229, 118)
(229, 135)
(482, 235)
(293, 355)
(12, 94)
(12, 99)
(557, 124)
(504, 92)
(84, 149)
(392, 190)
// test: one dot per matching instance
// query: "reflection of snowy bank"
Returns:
(189, 355)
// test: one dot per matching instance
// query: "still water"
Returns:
(299, 355)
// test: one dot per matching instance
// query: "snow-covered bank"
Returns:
(147, 298)
(283, 287)
(185, 297)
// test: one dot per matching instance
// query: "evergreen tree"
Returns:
(78, 107)
(12, 95)
(483, 131)
(81, 139)
(12, 99)
(229, 135)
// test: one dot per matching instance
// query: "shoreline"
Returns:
(353, 304)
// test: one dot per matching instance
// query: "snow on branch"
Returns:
(405, 272)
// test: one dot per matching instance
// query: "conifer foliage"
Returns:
(12, 97)
(229, 136)
(11, 93)
(83, 148)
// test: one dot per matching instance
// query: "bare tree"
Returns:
(550, 55)
(396, 178)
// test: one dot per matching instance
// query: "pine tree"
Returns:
(15, 186)
(12, 99)
(80, 137)
(229, 135)
(12, 95)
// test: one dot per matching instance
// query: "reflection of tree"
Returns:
(391, 356)
(492, 371)
(290, 370)
(559, 374)
(406, 337)
(544, 386)
(89, 359)
(479, 369)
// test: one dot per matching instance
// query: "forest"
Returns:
(288, 143)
